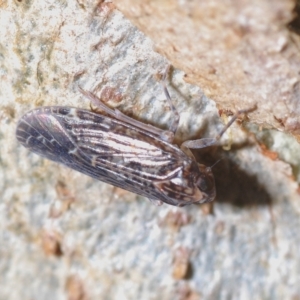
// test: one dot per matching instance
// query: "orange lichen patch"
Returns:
(271, 154)
(181, 263)
(175, 219)
(75, 288)
(51, 242)
(64, 201)
(111, 94)
(226, 112)
(185, 292)
(105, 7)
(63, 192)
(207, 208)
(219, 228)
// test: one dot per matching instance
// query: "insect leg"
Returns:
(164, 134)
(174, 124)
(206, 142)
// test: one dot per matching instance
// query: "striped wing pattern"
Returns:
(103, 148)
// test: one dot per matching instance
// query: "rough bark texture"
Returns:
(66, 236)
(239, 52)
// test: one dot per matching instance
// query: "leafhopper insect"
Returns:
(121, 151)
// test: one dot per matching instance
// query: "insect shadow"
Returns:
(233, 184)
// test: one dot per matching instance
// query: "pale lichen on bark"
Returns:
(63, 233)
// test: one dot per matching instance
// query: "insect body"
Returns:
(120, 151)
(117, 153)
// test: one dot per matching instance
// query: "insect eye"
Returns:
(205, 184)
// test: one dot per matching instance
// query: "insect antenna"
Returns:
(207, 142)
(216, 163)
(233, 119)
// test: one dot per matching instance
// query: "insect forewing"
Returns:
(114, 152)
